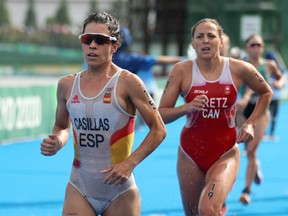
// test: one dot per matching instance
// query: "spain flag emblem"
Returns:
(107, 98)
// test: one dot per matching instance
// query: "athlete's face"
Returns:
(206, 40)
(95, 53)
(255, 47)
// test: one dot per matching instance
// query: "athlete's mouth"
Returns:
(206, 49)
(92, 55)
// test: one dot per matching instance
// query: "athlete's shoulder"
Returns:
(129, 81)
(271, 63)
(181, 68)
(127, 76)
(183, 64)
(237, 61)
(67, 77)
(66, 82)
(239, 65)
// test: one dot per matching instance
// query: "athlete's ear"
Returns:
(115, 47)
(221, 41)
(192, 44)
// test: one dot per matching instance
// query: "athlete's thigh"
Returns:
(127, 204)
(76, 204)
(191, 182)
(220, 178)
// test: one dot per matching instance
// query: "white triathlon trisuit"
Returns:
(103, 135)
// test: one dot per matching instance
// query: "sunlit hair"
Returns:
(106, 19)
(215, 22)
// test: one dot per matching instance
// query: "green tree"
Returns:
(4, 16)
(62, 15)
(30, 21)
(50, 21)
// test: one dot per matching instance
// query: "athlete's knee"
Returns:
(209, 210)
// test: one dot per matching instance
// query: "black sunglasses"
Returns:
(100, 39)
(255, 45)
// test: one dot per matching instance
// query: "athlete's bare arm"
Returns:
(132, 94)
(253, 79)
(274, 69)
(60, 134)
(177, 84)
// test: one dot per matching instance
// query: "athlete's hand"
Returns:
(50, 145)
(197, 104)
(277, 84)
(117, 174)
(246, 133)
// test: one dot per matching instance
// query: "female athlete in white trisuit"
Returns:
(101, 104)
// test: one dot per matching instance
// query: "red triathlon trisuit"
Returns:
(210, 133)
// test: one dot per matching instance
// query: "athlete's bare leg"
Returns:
(252, 147)
(219, 181)
(127, 204)
(76, 204)
(191, 182)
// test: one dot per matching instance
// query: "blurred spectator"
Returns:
(236, 52)
(140, 64)
(225, 48)
(254, 47)
(276, 86)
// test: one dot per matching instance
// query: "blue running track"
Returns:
(34, 185)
